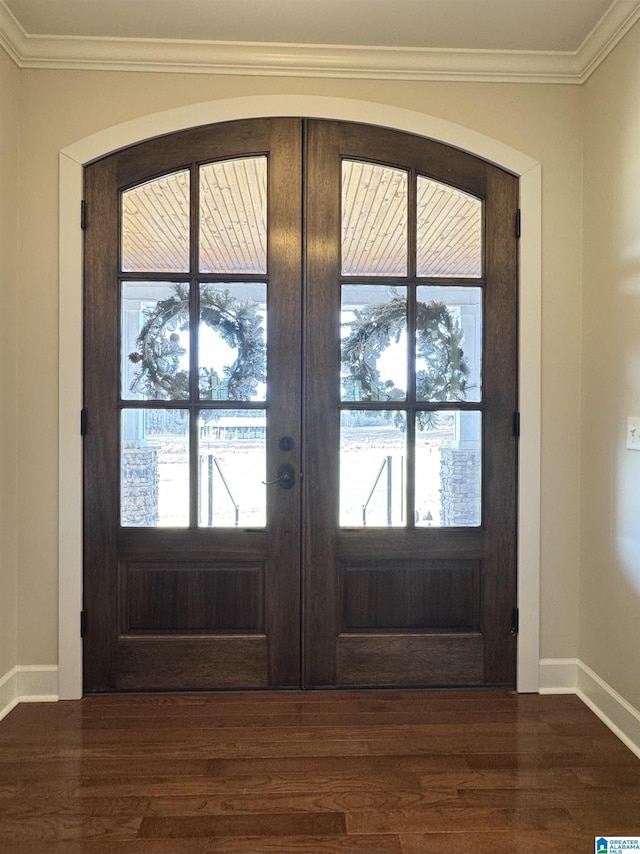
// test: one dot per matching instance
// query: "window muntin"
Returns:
(427, 470)
(187, 339)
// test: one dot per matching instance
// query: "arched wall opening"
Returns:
(75, 157)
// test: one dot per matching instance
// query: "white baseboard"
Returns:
(619, 715)
(8, 692)
(30, 683)
(572, 676)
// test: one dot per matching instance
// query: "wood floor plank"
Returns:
(115, 767)
(14, 831)
(470, 819)
(560, 759)
(352, 764)
(620, 775)
(607, 820)
(560, 797)
(91, 845)
(496, 842)
(493, 743)
(255, 824)
(517, 779)
(298, 783)
(364, 844)
(175, 808)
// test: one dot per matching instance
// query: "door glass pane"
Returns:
(233, 216)
(154, 468)
(232, 342)
(448, 469)
(155, 225)
(449, 344)
(232, 468)
(154, 336)
(449, 231)
(374, 343)
(374, 220)
(372, 468)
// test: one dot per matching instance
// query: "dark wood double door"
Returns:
(300, 386)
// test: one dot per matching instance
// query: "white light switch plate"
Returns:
(633, 434)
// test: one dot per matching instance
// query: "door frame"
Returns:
(73, 158)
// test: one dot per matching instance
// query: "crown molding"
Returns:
(12, 36)
(609, 30)
(332, 61)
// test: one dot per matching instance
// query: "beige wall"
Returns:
(610, 560)
(9, 121)
(60, 107)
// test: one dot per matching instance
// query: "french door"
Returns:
(300, 386)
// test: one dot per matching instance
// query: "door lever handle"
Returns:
(286, 477)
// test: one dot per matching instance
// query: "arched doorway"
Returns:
(407, 244)
(72, 160)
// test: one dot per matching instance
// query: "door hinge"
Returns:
(516, 424)
(518, 223)
(83, 623)
(515, 621)
(83, 214)
(84, 421)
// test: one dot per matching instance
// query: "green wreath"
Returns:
(438, 342)
(159, 376)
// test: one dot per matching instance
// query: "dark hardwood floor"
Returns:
(393, 772)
